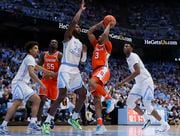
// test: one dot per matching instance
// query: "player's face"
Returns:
(77, 29)
(34, 50)
(54, 44)
(127, 49)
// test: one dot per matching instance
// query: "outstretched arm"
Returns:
(90, 34)
(68, 33)
(132, 76)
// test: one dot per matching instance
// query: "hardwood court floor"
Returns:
(112, 130)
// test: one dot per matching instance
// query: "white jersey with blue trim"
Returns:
(71, 56)
(144, 74)
(23, 73)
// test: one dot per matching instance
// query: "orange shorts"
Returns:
(51, 89)
(102, 73)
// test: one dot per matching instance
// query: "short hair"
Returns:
(29, 45)
(130, 43)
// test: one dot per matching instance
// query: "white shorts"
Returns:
(144, 90)
(71, 81)
(21, 91)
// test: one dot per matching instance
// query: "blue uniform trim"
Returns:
(69, 64)
(136, 94)
(148, 89)
(17, 86)
(75, 88)
(62, 77)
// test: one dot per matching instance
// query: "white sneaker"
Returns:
(110, 105)
(147, 122)
(100, 129)
(3, 130)
(33, 128)
(163, 128)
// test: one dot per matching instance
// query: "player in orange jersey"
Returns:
(49, 60)
(101, 73)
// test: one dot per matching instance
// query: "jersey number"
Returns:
(96, 55)
(50, 66)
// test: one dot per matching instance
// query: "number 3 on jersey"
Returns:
(50, 66)
(96, 55)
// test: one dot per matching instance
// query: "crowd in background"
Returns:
(166, 76)
(148, 20)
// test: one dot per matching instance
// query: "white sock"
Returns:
(146, 117)
(4, 123)
(75, 115)
(162, 122)
(39, 122)
(49, 118)
(33, 120)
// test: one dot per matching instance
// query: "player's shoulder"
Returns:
(133, 55)
(29, 58)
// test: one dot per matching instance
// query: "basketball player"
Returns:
(69, 77)
(143, 88)
(21, 91)
(101, 73)
(49, 60)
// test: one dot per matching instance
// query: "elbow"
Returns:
(89, 32)
(137, 72)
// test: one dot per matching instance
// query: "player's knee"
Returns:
(97, 100)
(148, 106)
(82, 93)
(131, 103)
(92, 83)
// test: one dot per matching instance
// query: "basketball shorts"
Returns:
(51, 91)
(102, 73)
(144, 90)
(70, 81)
(21, 91)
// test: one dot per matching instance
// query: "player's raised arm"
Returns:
(90, 33)
(72, 25)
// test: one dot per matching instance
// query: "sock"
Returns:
(100, 89)
(75, 115)
(33, 120)
(162, 122)
(49, 118)
(4, 123)
(99, 121)
(39, 122)
(146, 117)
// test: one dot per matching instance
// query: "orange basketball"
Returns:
(109, 18)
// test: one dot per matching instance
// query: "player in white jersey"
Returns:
(142, 89)
(22, 91)
(69, 77)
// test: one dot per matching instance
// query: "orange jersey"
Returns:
(101, 54)
(51, 62)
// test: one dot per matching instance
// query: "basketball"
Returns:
(109, 18)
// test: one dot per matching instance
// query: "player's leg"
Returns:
(43, 96)
(147, 98)
(63, 81)
(33, 127)
(77, 86)
(150, 109)
(99, 78)
(100, 128)
(40, 111)
(9, 114)
(18, 96)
